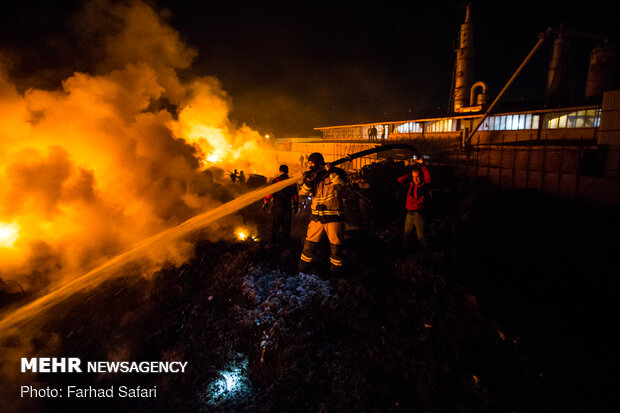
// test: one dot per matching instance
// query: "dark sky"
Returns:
(293, 66)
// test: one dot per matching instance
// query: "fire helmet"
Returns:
(316, 158)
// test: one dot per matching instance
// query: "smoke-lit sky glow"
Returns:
(292, 66)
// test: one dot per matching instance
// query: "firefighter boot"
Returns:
(307, 256)
(335, 259)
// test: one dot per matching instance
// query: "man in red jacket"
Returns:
(419, 192)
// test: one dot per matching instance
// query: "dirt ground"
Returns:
(511, 310)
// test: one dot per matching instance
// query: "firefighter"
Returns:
(285, 203)
(419, 191)
(323, 183)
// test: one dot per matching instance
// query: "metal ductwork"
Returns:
(481, 98)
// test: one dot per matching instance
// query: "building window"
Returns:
(511, 122)
(409, 127)
(528, 121)
(590, 118)
(444, 125)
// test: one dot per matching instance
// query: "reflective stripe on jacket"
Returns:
(327, 203)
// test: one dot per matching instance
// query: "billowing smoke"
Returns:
(110, 158)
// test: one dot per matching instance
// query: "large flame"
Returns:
(92, 168)
(8, 234)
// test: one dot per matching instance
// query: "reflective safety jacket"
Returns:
(327, 205)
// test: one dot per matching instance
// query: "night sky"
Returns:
(291, 67)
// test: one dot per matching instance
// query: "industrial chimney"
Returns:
(601, 70)
(464, 63)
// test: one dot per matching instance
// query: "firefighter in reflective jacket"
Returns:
(323, 183)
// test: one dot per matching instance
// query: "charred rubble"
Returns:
(509, 312)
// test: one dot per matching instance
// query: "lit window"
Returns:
(589, 118)
(496, 122)
(597, 121)
(528, 121)
(535, 121)
(579, 121)
(521, 121)
(553, 123)
(509, 122)
(502, 123)
(562, 121)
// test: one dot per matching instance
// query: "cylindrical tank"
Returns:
(464, 62)
(601, 70)
(555, 75)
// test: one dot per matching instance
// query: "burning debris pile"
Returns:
(114, 154)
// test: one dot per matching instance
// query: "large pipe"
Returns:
(541, 39)
(376, 150)
(482, 97)
(366, 152)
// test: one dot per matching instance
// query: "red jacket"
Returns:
(416, 193)
(285, 196)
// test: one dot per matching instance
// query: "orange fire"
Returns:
(245, 233)
(8, 234)
(89, 170)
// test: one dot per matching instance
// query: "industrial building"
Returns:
(571, 151)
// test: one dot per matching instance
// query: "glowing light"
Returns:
(8, 234)
(212, 158)
(246, 234)
(230, 383)
(267, 136)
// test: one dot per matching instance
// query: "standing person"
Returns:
(419, 190)
(323, 183)
(233, 176)
(285, 203)
(241, 178)
(373, 131)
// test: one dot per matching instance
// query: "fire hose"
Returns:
(311, 175)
